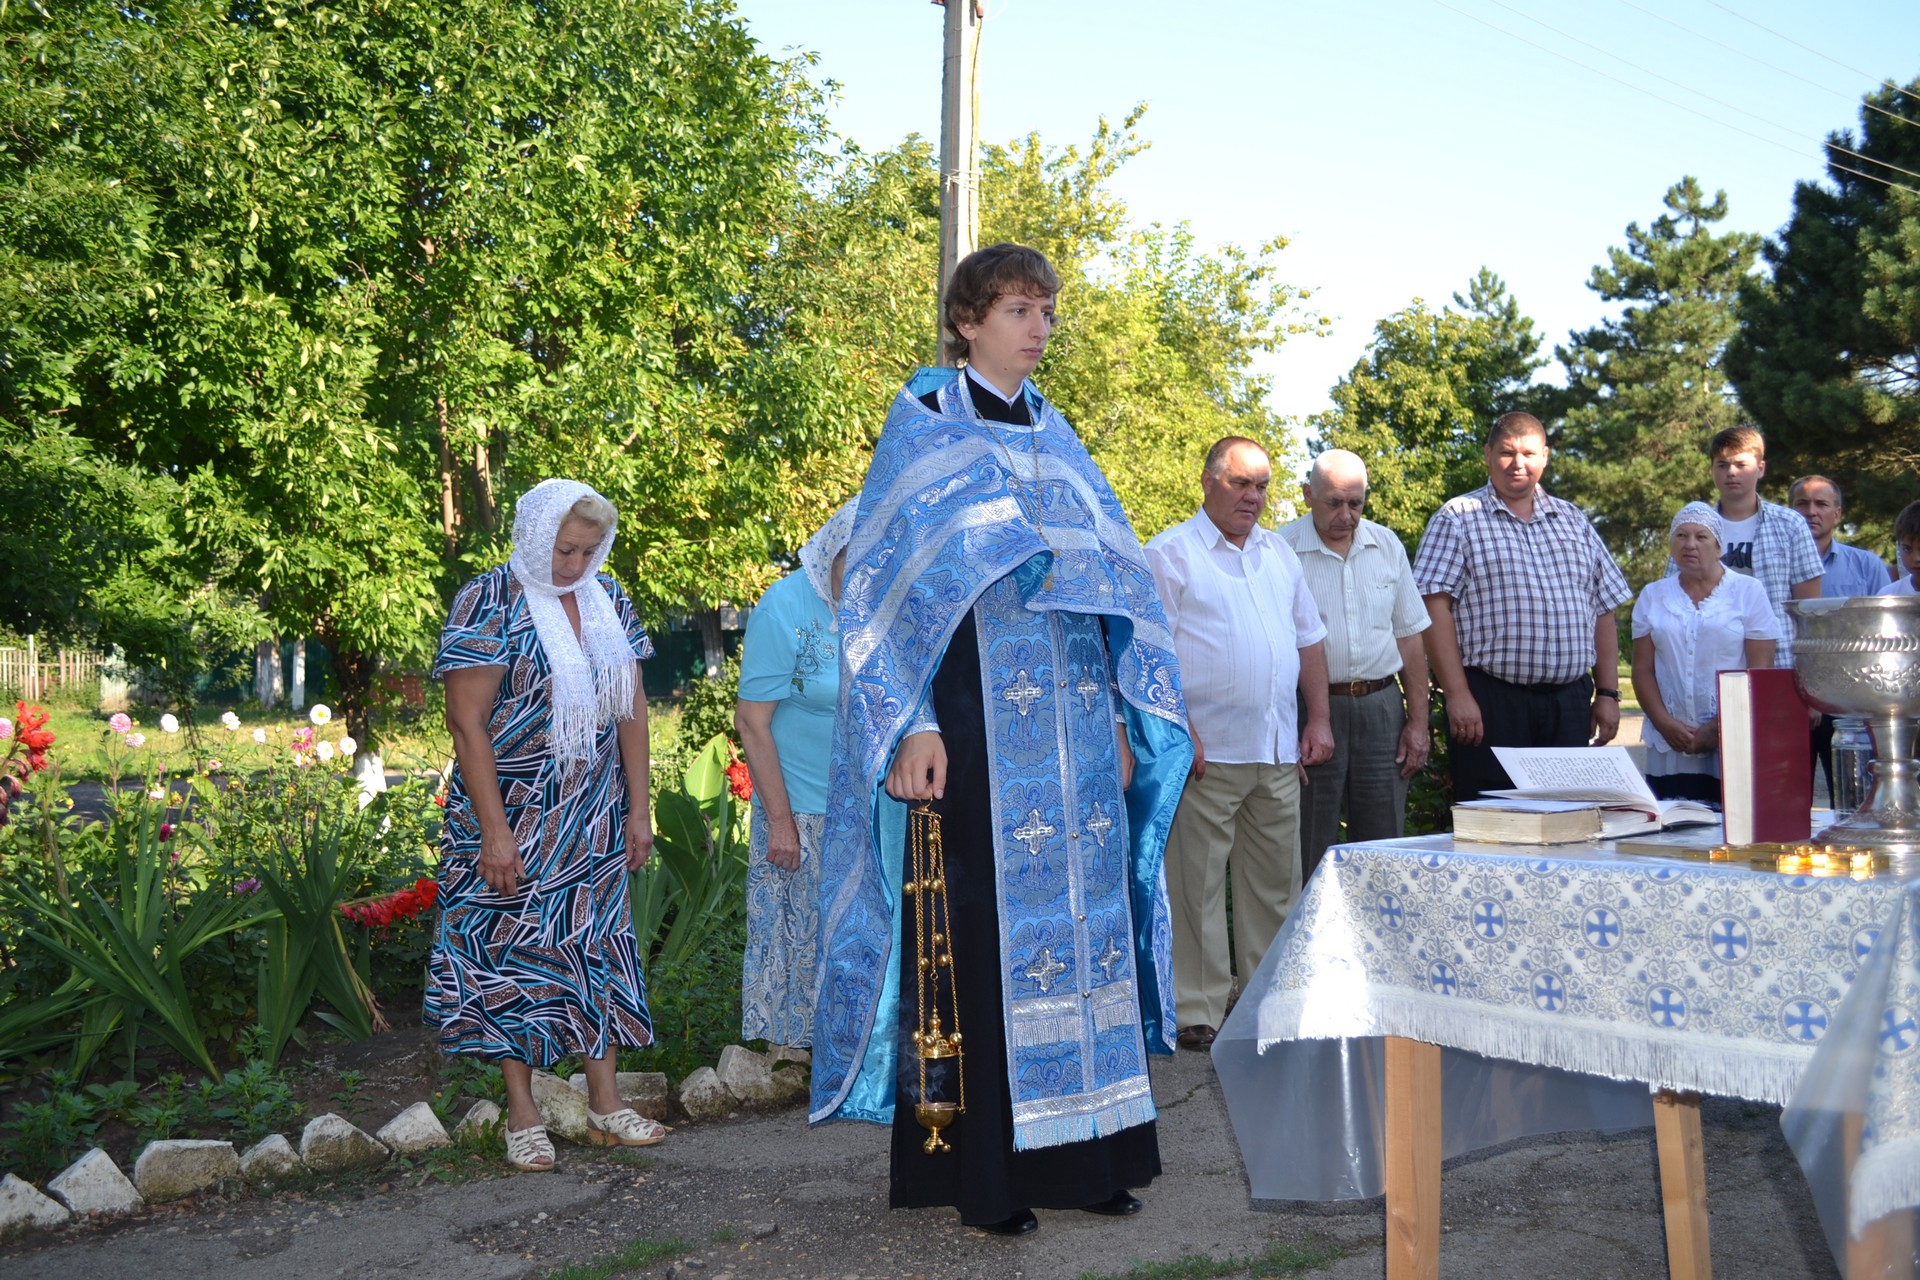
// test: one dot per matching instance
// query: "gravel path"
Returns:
(762, 1196)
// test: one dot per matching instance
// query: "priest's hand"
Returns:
(1126, 755)
(919, 768)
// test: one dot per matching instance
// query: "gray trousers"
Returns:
(1361, 777)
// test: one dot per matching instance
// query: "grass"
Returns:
(1278, 1259)
(638, 1253)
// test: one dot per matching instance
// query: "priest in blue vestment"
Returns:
(1004, 655)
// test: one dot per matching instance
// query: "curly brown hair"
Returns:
(985, 276)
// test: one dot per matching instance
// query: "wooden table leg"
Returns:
(1413, 1160)
(1884, 1250)
(1683, 1183)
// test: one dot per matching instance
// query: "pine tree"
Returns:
(1646, 391)
(1825, 358)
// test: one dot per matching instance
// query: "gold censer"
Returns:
(943, 1086)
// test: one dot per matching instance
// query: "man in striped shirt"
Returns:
(1522, 592)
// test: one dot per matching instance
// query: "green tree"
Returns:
(1825, 357)
(1646, 391)
(350, 278)
(1417, 406)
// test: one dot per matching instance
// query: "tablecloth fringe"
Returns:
(1886, 1180)
(1665, 1060)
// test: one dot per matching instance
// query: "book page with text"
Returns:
(1593, 773)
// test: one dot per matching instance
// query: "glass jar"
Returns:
(1852, 758)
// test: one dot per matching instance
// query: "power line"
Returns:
(1648, 71)
(1659, 97)
(1807, 48)
(1771, 66)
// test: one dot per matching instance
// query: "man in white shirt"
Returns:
(1247, 633)
(1363, 586)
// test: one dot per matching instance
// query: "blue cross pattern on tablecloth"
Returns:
(1667, 1007)
(1489, 919)
(1601, 927)
(1898, 1031)
(1549, 992)
(1729, 939)
(1391, 912)
(1442, 978)
(1804, 1019)
(1863, 940)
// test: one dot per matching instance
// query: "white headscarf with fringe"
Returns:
(817, 555)
(592, 677)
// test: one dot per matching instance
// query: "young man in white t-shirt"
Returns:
(1764, 539)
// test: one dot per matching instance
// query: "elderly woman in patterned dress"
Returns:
(535, 958)
(789, 693)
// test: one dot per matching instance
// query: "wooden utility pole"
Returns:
(959, 140)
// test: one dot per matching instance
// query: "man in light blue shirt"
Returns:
(1847, 571)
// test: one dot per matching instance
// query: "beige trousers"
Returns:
(1240, 816)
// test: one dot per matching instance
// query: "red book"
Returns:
(1766, 758)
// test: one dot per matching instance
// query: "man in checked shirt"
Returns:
(1521, 592)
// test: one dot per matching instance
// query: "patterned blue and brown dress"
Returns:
(552, 969)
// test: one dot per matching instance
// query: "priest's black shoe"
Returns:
(1016, 1225)
(1120, 1204)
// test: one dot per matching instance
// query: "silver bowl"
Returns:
(1860, 656)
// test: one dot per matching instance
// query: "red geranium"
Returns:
(739, 780)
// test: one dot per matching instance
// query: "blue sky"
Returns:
(1399, 144)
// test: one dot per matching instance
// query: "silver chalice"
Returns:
(1860, 656)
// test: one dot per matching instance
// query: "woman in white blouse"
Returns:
(1686, 628)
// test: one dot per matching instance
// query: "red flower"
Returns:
(739, 780)
(30, 724)
(405, 904)
(166, 831)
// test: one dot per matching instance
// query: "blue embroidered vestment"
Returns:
(1018, 525)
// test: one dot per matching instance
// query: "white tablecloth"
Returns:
(1564, 982)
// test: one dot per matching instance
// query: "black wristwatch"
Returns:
(1607, 693)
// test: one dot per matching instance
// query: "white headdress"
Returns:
(1699, 513)
(816, 557)
(593, 676)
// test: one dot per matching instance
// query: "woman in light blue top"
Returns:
(789, 692)
(1686, 628)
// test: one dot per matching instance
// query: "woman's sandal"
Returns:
(623, 1128)
(530, 1150)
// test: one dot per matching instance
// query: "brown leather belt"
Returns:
(1359, 688)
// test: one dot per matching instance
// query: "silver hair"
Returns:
(594, 510)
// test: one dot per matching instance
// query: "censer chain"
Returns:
(933, 944)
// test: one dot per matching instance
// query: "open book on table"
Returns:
(1603, 776)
